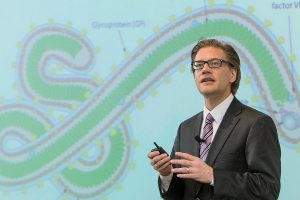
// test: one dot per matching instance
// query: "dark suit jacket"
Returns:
(245, 156)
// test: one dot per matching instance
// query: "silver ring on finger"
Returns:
(187, 170)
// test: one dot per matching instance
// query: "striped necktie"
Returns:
(207, 136)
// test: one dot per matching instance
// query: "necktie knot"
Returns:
(209, 119)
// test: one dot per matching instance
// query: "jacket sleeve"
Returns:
(262, 178)
(176, 188)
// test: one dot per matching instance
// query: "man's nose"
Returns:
(205, 68)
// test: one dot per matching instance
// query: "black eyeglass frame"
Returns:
(208, 62)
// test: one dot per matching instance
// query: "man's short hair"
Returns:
(230, 53)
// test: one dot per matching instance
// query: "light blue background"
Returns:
(161, 114)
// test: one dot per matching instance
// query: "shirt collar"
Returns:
(219, 111)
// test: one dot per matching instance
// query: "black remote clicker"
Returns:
(160, 149)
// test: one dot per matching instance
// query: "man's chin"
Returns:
(207, 92)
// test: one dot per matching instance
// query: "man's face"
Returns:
(214, 82)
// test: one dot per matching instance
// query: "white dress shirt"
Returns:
(218, 113)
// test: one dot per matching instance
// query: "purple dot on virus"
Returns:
(290, 120)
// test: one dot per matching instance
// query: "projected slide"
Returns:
(83, 99)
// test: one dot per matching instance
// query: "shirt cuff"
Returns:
(165, 181)
(212, 181)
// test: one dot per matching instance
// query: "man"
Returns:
(236, 154)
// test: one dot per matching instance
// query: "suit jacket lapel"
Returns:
(229, 121)
(196, 148)
(197, 127)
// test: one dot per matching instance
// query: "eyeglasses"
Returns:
(212, 63)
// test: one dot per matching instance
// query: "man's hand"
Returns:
(160, 162)
(192, 168)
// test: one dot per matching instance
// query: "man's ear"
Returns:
(233, 75)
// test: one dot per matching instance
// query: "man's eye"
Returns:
(199, 64)
(214, 63)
